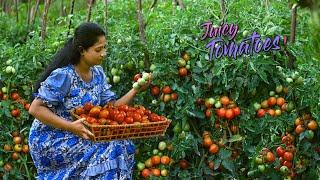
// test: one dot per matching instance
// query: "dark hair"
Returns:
(85, 36)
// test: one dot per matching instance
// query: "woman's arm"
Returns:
(127, 98)
(45, 115)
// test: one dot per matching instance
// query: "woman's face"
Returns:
(95, 54)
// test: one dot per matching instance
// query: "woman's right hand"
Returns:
(78, 128)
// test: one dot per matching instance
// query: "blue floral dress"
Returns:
(59, 154)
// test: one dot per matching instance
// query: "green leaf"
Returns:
(228, 164)
(235, 138)
(196, 114)
(224, 154)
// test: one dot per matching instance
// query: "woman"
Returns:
(61, 148)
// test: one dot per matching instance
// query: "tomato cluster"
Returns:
(115, 115)
(225, 107)
(306, 124)
(168, 94)
(184, 65)
(18, 146)
(275, 105)
(157, 164)
(15, 97)
(207, 142)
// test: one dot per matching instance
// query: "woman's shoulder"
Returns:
(66, 70)
(61, 75)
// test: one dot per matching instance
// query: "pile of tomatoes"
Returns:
(115, 115)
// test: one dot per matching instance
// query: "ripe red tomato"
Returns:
(156, 172)
(271, 112)
(88, 106)
(221, 112)
(155, 160)
(236, 111)
(137, 117)
(17, 140)
(288, 156)
(140, 111)
(91, 120)
(123, 107)
(208, 113)
(183, 72)
(225, 100)
(213, 149)
(137, 77)
(129, 120)
(120, 117)
(113, 113)
(80, 110)
(27, 106)
(174, 96)
(229, 114)
(166, 90)
(299, 129)
(94, 112)
(288, 164)
(15, 113)
(272, 101)
(145, 173)
(15, 156)
(155, 90)
(207, 142)
(104, 114)
(154, 117)
(261, 113)
(183, 164)
(270, 157)
(165, 160)
(280, 101)
(15, 96)
(280, 151)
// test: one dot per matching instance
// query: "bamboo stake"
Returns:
(142, 34)
(34, 13)
(89, 10)
(293, 23)
(71, 13)
(44, 18)
(16, 8)
(153, 5)
(181, 4)
(28, 12)
(223, 7)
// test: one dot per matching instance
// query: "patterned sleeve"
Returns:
(106, 95)
(53, 90)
